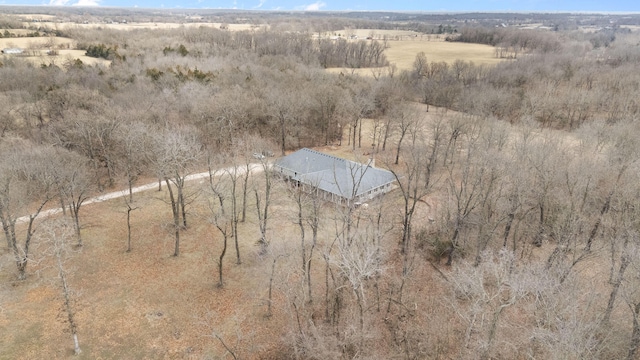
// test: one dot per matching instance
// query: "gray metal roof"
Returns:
(342, 177)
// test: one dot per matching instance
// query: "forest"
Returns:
(511, 233)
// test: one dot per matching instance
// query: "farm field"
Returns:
(35, 50)
(405, 45)
(37, 43)
(403, 52)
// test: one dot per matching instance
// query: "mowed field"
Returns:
(35, 50)
(405, 45)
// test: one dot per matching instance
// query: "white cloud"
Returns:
(260, 4)
(87, 3)
(58, 2)
(315, 6)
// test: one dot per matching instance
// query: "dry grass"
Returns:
(36, 50)
(143, 304)
(37, 42)
(148, 304)
(402, 53)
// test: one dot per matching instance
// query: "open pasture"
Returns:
(35, 50)
(403, 52)
(404, 45)
(43, 42)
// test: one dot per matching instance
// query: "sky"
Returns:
(361, 5)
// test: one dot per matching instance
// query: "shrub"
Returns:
(104, 52)
(433, 243)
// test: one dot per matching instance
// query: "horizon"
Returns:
(403, 6)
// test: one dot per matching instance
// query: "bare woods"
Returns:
(512, 233)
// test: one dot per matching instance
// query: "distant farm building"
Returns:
(12, 51)
(338, 180)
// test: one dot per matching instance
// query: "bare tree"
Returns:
(75, 184)
(26, 186)
(405, 119)
(57, 234)
(284, 109)
(308, 215)
(134, 142)
(416, 178)
(263, 202)
(130, 208)
(361, 104)
(234, 174)
(93, 138)
(177, 153)
(466, 188)
(219, 218)
(359, 260)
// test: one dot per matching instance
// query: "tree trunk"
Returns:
(129, 229)
(361, 319)
(273, 270)
(75, 209)
(181, 203)
(302, 234)
(538, 239)
(360, 135)
(175, 209)
(507, 228)
(130, 181)
(454, 243)
(313, 245)
(355, 127)
(224, 251)
(234, 216)
(67, 304)
(624, 262)
(635, 334)
(596, 226)
(21, 262)
(282, 134)
(245, 185)
(326, 288)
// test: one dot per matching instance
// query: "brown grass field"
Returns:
(36, 50)
(405, 45)
(403, 52)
